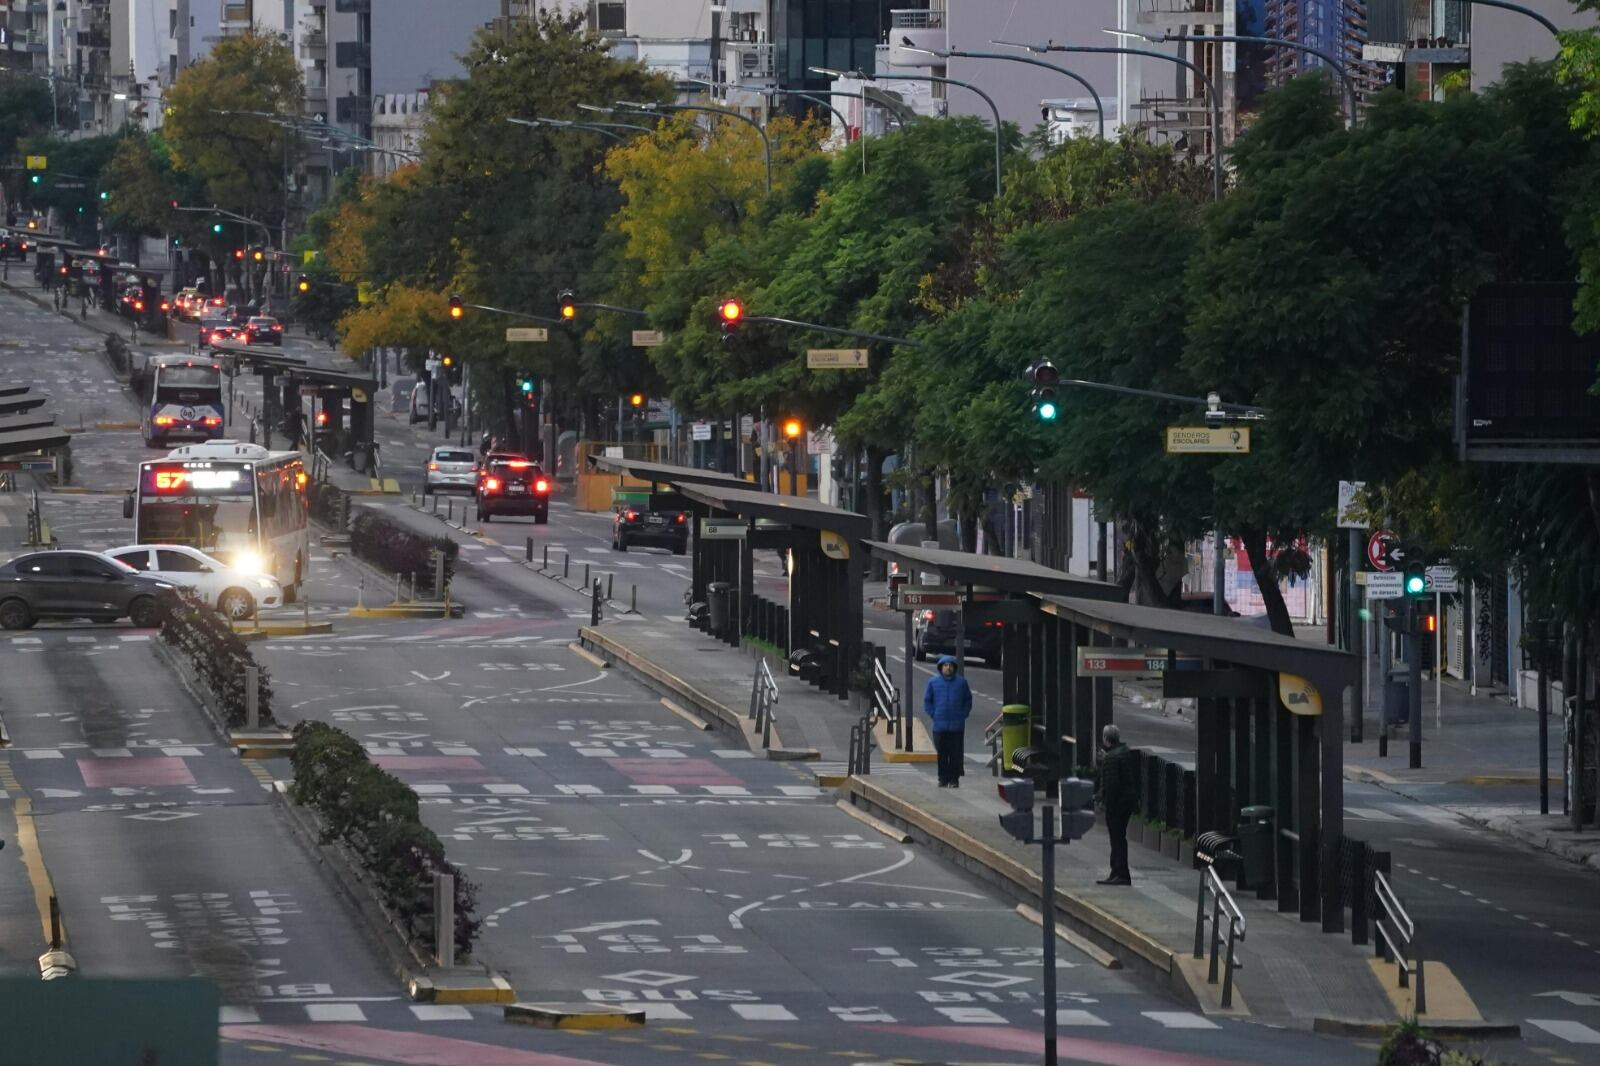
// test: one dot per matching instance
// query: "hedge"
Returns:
(394, 549)
(323, 503)
(216, 654)
(377, 815)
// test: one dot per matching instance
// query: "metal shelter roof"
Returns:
(1225, 639)
(14, 389)
(22, 401)
(20, 442)
(800, 511)
(245, 353)
(12, 423)
(665, 472)
(995, 571)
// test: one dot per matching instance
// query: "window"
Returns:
(42, 565)
(172, 562)
(611, 16)
(453, 457)
(81, 566)
(139, 560)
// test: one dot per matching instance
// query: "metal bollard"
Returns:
(594, 604)
(527, 555)
(449, 511)
(586, 575)
(444, 920)
(633, 601)
(546, 564)
(609, 586)
(566, 566)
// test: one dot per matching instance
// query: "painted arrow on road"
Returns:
(602, 927)
(683, 857)
(425, 677)
(1577, 999)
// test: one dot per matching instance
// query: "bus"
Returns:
(239, 502)
(184, 401)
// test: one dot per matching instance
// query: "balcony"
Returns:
(909, 29)
(749, 62)
(357, 54)
(28, 41)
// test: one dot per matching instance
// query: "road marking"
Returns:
(727, 790)
(506, 790)
(763, 1012)
(1074, 1017)
(1572, 1032)
(33, 861)
(1179, 1019)
(732, 753)
(655, 790)
(662, 1012)
(580, 790)
(440, 1012)
(971, 1015)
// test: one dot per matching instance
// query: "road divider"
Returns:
(584, 653)
(575, 1015)
(693, 719)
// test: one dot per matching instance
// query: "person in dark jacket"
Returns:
(947, 701)
(1119, 792)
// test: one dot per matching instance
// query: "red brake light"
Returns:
(278, 328)
(541, 485)
(631, 515)
(216, 337)
(927, 616)
(138, 305)
(680, 518)
(517, 465)
(433, 466)
(213, 420)
(163, 420)
(491, 484)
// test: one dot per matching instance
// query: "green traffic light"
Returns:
(216, 227)
(105, 195)
(35, 179)
(527, 385)
(1046, 411)
(1416, 584)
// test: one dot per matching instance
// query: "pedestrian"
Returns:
(1119, 791)
(947, 701)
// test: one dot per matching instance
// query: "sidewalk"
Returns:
(1293, 974)
(98, 319)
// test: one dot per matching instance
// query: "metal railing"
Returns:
(763, 696)
(885, 704)
(991, 737)
(915, 19)
(1397, 936)
(861, 745)
(1222, 905)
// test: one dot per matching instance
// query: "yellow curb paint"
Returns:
(694, 720)
(910, 756)
(580, 1016)
(33, 862)
(584, 653)
(1448, 1000)
(832, 780)
(497, 991)
(1088, 947)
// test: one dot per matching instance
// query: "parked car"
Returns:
(420, 402)
(77, 584)
(933, 632)
(512, 484)
(450, 468)
(641, 527)
(235, 593)
(263, 329)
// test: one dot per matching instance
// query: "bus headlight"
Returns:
(249, 562)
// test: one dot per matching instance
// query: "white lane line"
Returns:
(1179, 1019)
(663, 1012)
(238, 1016)
(1572, 1032)
(971, 1015)
(1074, 1017)
(440, 1012)
(736, 918)
(763, 1012)
(335, 1012)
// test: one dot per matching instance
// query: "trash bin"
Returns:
(1016, 731)
(1256, 868)
(717, 602)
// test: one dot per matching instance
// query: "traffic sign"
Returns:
(836, 358)
(700, 431)
(524, 334)
(38, 162)
(722, 529)
(647, 338)
(911, 597)
(1126, 662)
(1386, 586)
(1348, 517)
(1441, 579)
(1379, 546)
(1207, 440)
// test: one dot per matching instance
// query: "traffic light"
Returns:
(526, 385)
(636, 400)
(1430, 622)
(216, 227)
(447, 361)
(1044, 377)
(568, 303)
(1018, 792)
(258, 255)
(792, 428)
(1077, 807)
(238, 253)
(1415, 567)
(729, 314)
(104, 195)
(36, 179)
(457, 308)
(303, 284)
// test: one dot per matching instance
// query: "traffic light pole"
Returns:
(1414, 657)
(1047, 912)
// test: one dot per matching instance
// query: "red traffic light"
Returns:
(238, 253)
(731, 311)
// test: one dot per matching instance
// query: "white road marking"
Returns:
(1179, 1019)
(335, 1012)
(238, 1016)
(763, 1012)
(506, 790)
(181, 753)
(1572, 1032)
(663, 1012)
(440, 1012)
(579, 790)
(1074, 1017)
(732, 753)
(971, 1015)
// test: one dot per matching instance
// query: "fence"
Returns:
(1166, 793)
(763, 697)
(1222, 907)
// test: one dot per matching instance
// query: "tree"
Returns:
(215, 129)
(24, 110)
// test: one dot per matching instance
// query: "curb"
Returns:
(574, 1016)
(584, 653)
(408, 610)
(899, 836)
(257, 744)
(1442, 1030)
(283, 629)
(1089, 948)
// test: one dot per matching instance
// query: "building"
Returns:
(397, 121)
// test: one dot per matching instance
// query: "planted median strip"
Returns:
(216, 665)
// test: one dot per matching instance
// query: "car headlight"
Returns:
(266, 583)
(249, 562)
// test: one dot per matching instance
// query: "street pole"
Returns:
(1047, 910)
(1414, 657)
(1438, 660)
(1219, 571)
(1541, 638)
(1357, 635)
(906, 702)
(1385, 663)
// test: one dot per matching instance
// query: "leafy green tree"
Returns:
(73, 181)
(24, 110)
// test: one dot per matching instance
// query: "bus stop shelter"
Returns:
(285, 379)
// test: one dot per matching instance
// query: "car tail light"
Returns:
(927, 616)
(632, 516)
(215, 337)
(491, 484)
(433, 466)
(680, 518)
(541, 485)
(213, 420)
(277, 329)
(992, 625)
(163, 420)
(138, 305)
(516, 465)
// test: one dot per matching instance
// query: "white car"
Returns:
(450, 468)
(236, 593)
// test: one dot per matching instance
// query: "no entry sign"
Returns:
(1378, 548)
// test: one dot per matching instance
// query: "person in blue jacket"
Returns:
(947, 701)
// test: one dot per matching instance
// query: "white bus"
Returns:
(239, 502)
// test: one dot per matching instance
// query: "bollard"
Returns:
(396, 588)
(305, 609)
(546, 564)
(252, 697)
(594, 604)
(566, 566)
(586, 576)
(609, 586)
(527, 555)
(449, 512)
(444, 920)
(55, 924)
(433, 505)
(438, 574)
(633, 600)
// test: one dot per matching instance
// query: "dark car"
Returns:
(934, 633)
(213, 330)
(512, 484)
(263, 329)
(660, 527)
(77, 584)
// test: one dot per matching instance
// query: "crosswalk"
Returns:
(430, 789)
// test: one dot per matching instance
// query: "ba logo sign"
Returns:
(1299, 696)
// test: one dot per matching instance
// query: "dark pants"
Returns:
(948, 744)
(1117, 830)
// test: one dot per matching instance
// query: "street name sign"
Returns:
(723, 529)
(1385, 586)
(911, 597)
(523, 334)
(1208, 440)
(647, 338)
(1126, 662)
(836, 358)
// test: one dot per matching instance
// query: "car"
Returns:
(213, 331)
(419, 403)
(450, 468)
(235, 593)
(512, 484)
(660, 527)
(77, 584)
(186, 303)
(933, 632)
(263, 329)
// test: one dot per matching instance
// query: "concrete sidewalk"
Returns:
(1293, 974)
(98, 319)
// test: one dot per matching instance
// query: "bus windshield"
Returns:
(187, 384)
(210, 508)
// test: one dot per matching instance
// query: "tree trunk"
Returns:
(1255, 545)
(930, 507)
(1141, 559)
(875, 516)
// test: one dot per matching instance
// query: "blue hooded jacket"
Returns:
(947, 701)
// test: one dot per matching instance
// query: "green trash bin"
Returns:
(1016, 731)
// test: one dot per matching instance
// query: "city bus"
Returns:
(238, 502)
(184, 401)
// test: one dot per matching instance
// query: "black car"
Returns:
(934, 633)
(512, 484)
(660, 528)
(263, 329)
(77, 584)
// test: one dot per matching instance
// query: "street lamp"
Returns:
(1211, 90)
(766, 142)
(946, 53)
(1160, 37)
(856, 75)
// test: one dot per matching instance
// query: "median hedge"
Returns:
(394, 549)
(216, 654)
(377, 815)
